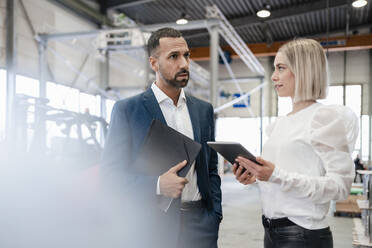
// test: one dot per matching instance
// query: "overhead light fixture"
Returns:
(264, 12)
(359, 3)
(182, 20)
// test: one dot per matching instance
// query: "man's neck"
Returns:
(172, 92)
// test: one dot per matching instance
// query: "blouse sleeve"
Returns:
(333, 133)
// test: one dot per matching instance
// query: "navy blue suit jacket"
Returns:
(130, 121)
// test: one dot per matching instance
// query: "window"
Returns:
(27, 86)
(89, 104)
(243, 130)
(335, 96)
(30, 88)
(63, 97)
(354, 98)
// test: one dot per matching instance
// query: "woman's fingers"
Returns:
(247, 164)
(238, 171)
(244, 176)
(249, 180)
(262, 172)
(234, 168)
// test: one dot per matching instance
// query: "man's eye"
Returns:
(173, 56)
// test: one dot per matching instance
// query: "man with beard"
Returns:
(193, 217)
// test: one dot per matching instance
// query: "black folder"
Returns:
(165, 147)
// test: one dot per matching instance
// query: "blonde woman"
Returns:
(306, 161)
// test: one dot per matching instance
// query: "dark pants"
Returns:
(199, 228)
(358, 175)
(295, 236)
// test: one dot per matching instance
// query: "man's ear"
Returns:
(154, 63)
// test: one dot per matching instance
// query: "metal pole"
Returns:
(11, 70)
(34, 34)
(104, 72)
(42, 69)
(191, 25)
(370, 109)
(40, 112)
(214, 64)
(344, 83)
(270, 90)
(261, 114)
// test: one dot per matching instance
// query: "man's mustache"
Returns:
(183, 72)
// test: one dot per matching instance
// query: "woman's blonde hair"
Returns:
(308, 63)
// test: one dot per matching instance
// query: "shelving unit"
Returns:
(362, 233)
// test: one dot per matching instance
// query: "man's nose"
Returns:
(184, 64)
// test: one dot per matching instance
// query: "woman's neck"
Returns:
(297, 106)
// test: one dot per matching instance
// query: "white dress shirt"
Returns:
(311, 151)
(178, 118)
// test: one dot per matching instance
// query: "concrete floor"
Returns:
(241, 225)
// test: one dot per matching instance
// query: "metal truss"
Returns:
(228, 32)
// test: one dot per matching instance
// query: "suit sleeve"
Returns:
(214, 178)
(117, 173)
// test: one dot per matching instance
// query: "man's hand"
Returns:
(170, 184)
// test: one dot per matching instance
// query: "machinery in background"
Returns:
(57, 136)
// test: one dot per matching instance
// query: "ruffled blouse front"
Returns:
(311, 151)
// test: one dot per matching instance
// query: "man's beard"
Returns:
(177, 83)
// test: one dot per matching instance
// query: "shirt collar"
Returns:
(161, 96)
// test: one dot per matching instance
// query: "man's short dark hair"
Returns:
(153, 41)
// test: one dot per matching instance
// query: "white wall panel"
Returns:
(126, 71)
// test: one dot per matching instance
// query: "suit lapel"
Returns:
(152, 106)
(194, 116)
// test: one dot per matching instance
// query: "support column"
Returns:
(261, 114)
(40, 112)
(214, 40)
(344, 83)
(370, 110)
(11, 70)
(42, 69)
(104, 83)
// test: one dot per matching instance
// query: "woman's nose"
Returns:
(274, 77)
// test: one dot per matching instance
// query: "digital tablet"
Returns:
(231, 150)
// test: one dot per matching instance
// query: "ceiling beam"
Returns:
(85, 11)
(127, 4)
(355, 42)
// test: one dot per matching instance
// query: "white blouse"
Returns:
(311, 151)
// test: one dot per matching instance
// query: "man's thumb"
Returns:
(178, 167)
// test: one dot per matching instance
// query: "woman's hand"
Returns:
(261, 172)
(244, 177)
